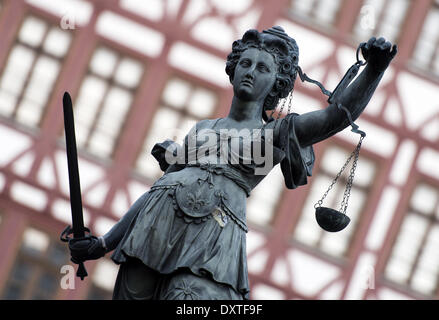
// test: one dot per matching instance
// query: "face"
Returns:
(255, 74)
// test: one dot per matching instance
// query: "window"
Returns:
(103, 278)
(263, 201)
(31, 70)
(414, 260)
(426, 53)
(307, 230)
(381, 19)
(104, 99)
(182, 105)
(36, 272)
(320, 11)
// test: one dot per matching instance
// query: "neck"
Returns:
(242, 111)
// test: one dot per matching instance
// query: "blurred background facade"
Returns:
(143, 71)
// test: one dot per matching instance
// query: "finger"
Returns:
(93, 247)
(386, 46)
(380, 41)
(394, 50)
(365, 47)
(78, 246)
(364, 51)
(369, 43)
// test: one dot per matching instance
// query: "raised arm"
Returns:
(313, 127)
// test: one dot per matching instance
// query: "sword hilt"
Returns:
(64, 237)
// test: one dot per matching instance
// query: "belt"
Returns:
(230, 172)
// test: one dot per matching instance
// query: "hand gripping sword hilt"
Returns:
(64, 237)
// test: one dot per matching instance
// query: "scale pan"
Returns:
(331, 220)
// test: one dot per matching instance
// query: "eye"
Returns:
(263, 68)
(245, 63)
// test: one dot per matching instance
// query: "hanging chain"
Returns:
(290, 99)
(320, 202)
(282, 103)
(347, 192)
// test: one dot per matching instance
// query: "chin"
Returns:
(244, 94)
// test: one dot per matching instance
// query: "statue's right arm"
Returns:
(115, 235)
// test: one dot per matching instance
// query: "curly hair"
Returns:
(285, 53)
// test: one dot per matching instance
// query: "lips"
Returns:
(247, 82)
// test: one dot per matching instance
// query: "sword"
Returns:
(78, 229)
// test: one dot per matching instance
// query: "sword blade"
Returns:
(72, 161)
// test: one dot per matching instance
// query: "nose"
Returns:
(250, 73)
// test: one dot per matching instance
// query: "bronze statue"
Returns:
(186, 237)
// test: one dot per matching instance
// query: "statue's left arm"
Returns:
(313, 127)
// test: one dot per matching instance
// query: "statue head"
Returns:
(286, 56)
